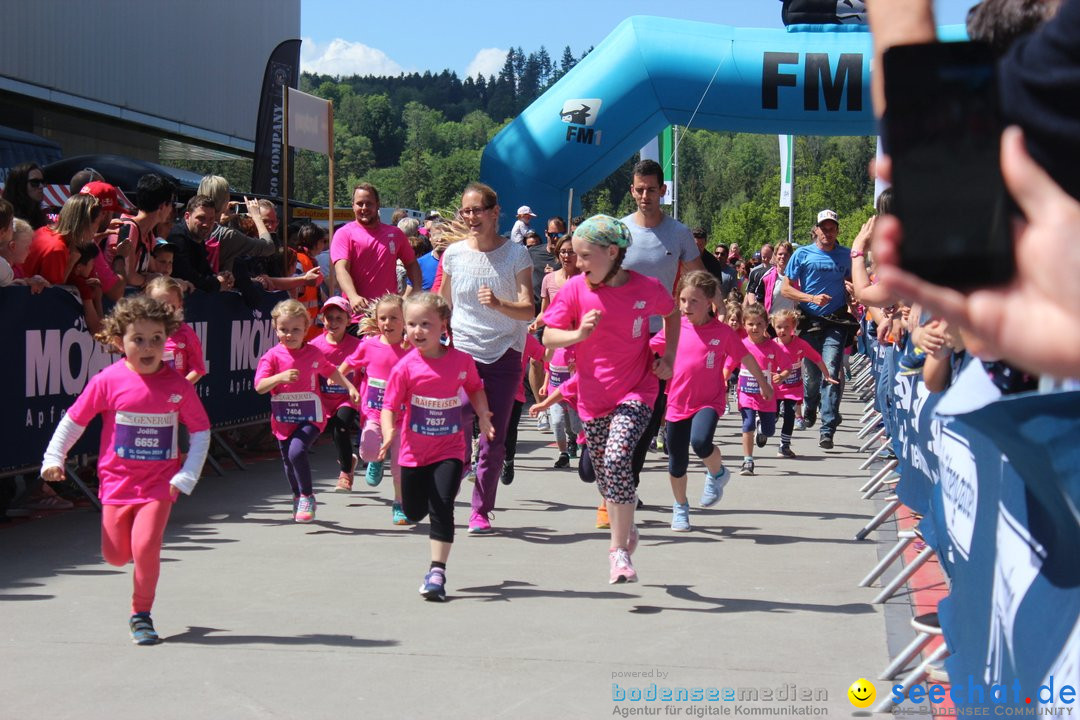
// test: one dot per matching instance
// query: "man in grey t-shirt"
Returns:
(659, 244)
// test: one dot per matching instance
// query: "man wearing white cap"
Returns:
(819, 271)
(524, 216)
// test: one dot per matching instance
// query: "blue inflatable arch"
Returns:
(651, 72)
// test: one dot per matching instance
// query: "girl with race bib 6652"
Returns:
(142, 402)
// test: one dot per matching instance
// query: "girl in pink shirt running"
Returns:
(757, 401)
(372, 361)
(603, 312)
(423, 402)
(789, 386)
(183, 351)
(336, 345)
(289, 372)
(142, 403)
(697, 394)
(565, 422)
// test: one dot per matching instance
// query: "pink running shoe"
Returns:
(479, 524)
(621, 569)
(305, 509)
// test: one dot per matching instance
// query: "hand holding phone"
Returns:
(123, 244)
(942, 130)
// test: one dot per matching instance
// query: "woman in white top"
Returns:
(488, 282)
(774, 301)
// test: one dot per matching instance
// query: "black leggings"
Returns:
(512, 432)
(695, 431)
(431, 489)
(641, 450)
(585, 470)
(343, 426)
(787, 412)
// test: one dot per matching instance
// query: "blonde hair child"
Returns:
(289, 372)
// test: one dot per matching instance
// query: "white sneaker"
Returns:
(543, 424)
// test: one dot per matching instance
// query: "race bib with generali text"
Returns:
(795, 378)
(435, 417)
(329, 388)
(559, 375)
(376, 388)
(297, 407)
(748, 383)
(145, 436)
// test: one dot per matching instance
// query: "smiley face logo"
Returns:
(861, 693)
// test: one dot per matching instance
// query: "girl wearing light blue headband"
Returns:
(601, 243)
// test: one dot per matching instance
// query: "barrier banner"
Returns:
(1035, 622)
(917, 451)
(1005, 513)
(964, 513)
(1002, 482)
(54, 356)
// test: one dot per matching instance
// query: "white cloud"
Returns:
(341, 57)
(487, 62)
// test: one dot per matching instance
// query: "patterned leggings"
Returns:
(611, 440)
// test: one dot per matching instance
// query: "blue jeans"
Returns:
(829, 341)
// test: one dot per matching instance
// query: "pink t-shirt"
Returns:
(791, 356)
(140, 414)
(569, 390)
(698, 378)
(551, 284)
(372, 361)
(183, 351)
(292, 404)
(372, 256)
(334, 395)
(533, 351)
(104, 273)
(428, 391)
(767, 355)
(614, 363)
(559, 369)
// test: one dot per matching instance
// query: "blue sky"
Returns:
(466, 37)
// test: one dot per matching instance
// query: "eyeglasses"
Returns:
(554, 235)
(467, 212)
(35, 182)
(567, 252)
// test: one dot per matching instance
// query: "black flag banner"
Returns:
(282, 69)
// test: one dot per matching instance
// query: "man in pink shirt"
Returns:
(365, 252)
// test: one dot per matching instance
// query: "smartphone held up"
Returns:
(943, 129)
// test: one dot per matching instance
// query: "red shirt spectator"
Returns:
(48, 257)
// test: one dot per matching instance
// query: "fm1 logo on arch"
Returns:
(818, 80)
(580, 115)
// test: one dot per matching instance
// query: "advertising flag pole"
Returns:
(285, 158)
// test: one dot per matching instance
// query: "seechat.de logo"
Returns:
(1011, 698)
